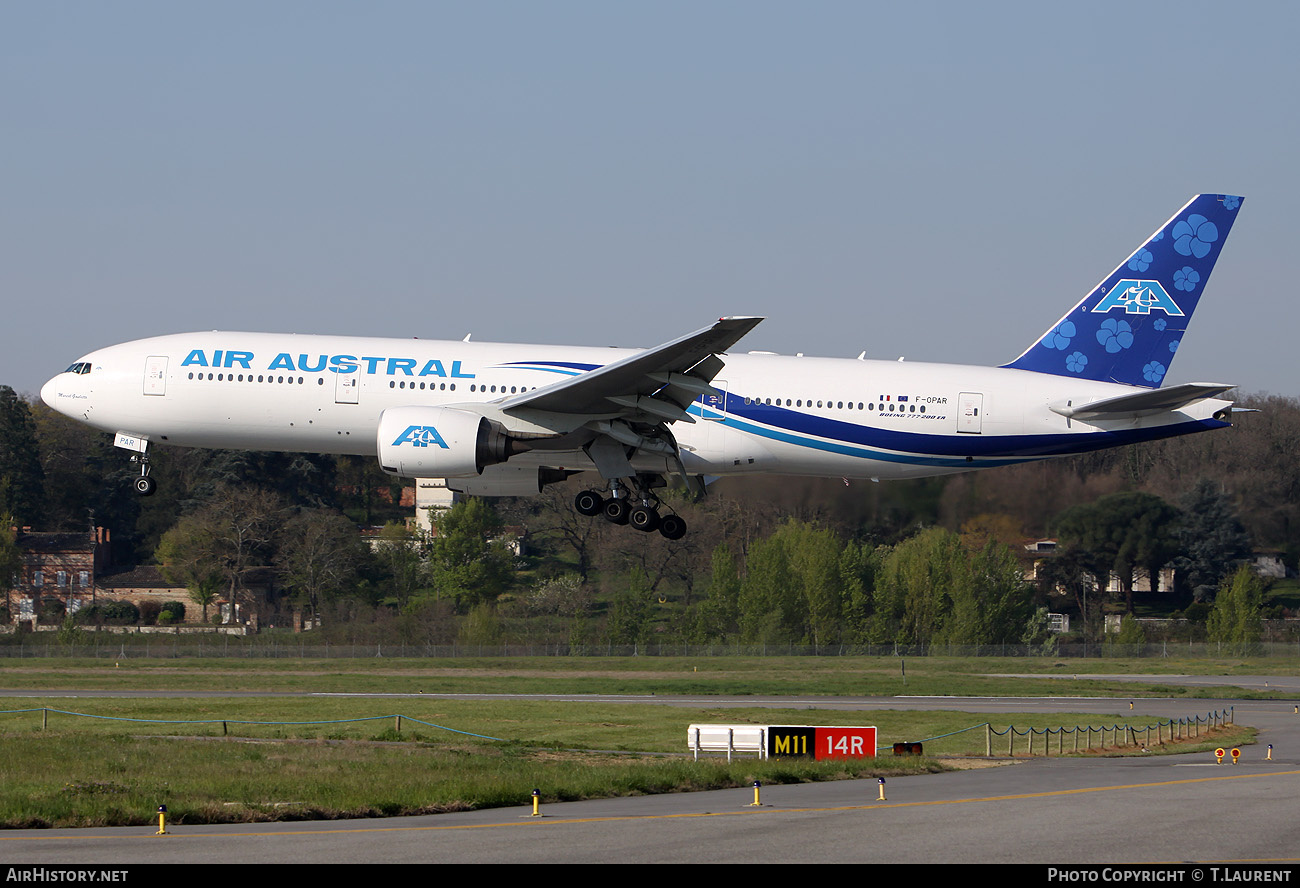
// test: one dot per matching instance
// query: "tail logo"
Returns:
(1138, 297)
(420, 436)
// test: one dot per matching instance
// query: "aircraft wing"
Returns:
(655, 385)
(1143, 403)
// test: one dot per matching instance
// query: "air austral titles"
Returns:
(505, 420)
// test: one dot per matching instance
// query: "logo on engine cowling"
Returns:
(420, 436)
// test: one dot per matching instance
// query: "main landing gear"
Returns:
(640, 510)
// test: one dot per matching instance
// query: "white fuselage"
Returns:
(780, 414)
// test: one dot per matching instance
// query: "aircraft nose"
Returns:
(49, 392)
(66, 394)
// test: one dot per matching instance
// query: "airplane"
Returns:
(505, 420)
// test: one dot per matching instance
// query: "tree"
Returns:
(1075, 571)
(991, 602)
(318, 556)
(551, 518)
(11, 559)
(931, 589)
(230, 537)
(859, 568)
(719, 613)
(481, 626)
(401, 558)
(815, 554)
(187, 555)
(768, 598)
(1212, 539)
(1238, 609)
(466, 563)
(1124, 532)
(21, 477)
(913, 595)
(630, 611)
(1130, 632)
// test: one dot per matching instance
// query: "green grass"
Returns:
(84, 771)
(858, 676)
(109, 780)
(620, 727)
(89, 772)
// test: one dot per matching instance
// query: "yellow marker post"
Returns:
(756, 803)
(162, 821)
(882, 791)
(537, 798)
(1130, 705)
(1269, 757)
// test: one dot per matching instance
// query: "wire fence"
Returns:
(1121, 735)
(291, 647)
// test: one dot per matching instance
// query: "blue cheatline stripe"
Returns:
(848, 450)
(947, 451)
(566, 368)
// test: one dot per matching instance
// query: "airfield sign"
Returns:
(820, 743)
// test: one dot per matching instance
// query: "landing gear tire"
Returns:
(644, 518)
(617, 511)
(589, 503)
(145, 486)
(671, 527)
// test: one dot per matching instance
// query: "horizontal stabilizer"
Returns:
(1143, 403)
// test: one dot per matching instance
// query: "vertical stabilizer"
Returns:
(1129, 327)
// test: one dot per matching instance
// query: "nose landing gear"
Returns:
(144, 485)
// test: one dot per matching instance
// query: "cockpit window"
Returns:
(80, 368)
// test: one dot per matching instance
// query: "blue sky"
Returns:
(935, 180)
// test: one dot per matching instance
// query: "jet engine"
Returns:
(441, 442)
(508, 481)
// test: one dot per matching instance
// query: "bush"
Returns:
(149, 611)
(175, 609)
(119, 613)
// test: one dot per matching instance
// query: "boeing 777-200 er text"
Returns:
(505, 420)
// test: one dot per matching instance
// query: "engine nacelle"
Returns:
(440, 442)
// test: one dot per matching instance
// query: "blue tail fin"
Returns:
(1127, 329)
